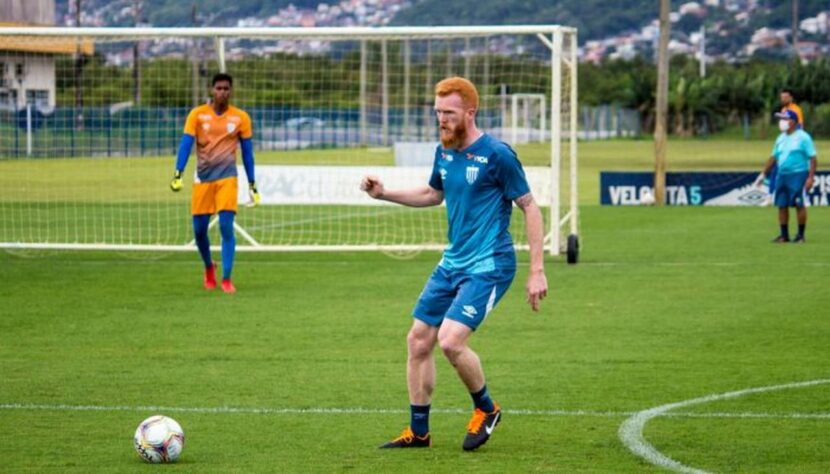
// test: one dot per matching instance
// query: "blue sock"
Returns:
(482, 400)
(228, 242)
(785, 231)
(200, 231)
(419, 421)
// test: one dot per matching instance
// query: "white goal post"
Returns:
(90, 120)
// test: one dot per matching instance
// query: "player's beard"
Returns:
(453, 138)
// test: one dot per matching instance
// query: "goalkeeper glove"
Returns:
(253, 193)
(176, 183)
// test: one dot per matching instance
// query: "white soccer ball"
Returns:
(159, 439)
(646, 198)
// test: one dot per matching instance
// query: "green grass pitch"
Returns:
(303, 370)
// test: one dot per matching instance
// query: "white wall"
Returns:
(38, 74)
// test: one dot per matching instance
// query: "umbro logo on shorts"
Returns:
(469, 311)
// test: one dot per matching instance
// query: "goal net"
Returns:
(91, 118)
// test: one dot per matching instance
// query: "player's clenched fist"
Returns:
(372, 185)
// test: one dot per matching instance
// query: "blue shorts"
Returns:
(464, 297)
(789, 189)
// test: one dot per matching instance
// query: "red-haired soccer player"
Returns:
(480, 178)
(217, 129)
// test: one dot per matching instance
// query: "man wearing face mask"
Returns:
(795, 156)
(787, 100)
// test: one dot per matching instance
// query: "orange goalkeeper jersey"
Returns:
(217, 138)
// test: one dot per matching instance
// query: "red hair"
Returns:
(460, 86)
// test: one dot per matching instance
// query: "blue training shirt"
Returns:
(479, 185)
(793, 152)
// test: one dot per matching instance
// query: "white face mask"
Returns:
(784, 125)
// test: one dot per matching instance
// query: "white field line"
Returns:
(385, 411)
(631, 431)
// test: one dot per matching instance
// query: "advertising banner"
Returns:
(699, 189)
(340, 184)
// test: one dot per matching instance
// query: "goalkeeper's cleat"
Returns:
(480, 427)
(210, 277)
(253, 193)
(176, 184)
(799, 239)
(227, 286)
(408, 439)
(780, 240)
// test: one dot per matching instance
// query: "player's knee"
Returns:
(451, 346)
(419, 345)
(201, 224)
(226, 225)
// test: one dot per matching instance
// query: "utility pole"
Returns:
(795, 27)
(79, 74)
(136, 56)
(660, 125)
(194, 62)
(702, 51)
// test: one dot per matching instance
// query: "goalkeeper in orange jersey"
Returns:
(217, 128)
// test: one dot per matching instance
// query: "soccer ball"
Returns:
(646, 198)
(159, 439)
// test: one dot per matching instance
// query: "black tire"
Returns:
(573, 249)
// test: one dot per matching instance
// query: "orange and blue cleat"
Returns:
(408, 439)
(480, 427)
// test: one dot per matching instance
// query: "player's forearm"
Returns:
(768, 166)
(415, 197)
(247, 146)
(534, 227)
(813, 165)
(184, 151)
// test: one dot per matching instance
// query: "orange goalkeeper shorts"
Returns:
(215, 196)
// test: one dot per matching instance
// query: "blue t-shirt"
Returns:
(793, 152)
(479, 185)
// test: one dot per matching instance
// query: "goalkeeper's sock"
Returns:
(228, 242)
(785, 231)
(482, 400)
(200, 231)
(419, 419)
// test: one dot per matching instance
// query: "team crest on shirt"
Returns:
(472, 174)
(231, 127)
(206, 126)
